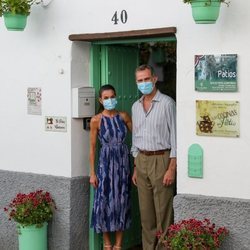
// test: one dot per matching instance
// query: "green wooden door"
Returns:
(116, 65)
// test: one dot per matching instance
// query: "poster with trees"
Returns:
(216, 73)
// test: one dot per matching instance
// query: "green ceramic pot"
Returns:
(15, 22)
(204, 11)
(32, 237)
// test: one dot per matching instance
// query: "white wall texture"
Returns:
(37, 57)
(226, 168)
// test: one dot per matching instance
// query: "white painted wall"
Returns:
(226, 171)
(80, 137)
(36, 56)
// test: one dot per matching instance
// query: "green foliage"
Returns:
(208, 1)
(1, 8)
(34, 208)
(16, 6)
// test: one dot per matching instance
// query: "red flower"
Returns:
(193, 234)
(33, 208)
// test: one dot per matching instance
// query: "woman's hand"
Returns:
(94, 127)
(93, 180)
(127, 119)
(134, 177)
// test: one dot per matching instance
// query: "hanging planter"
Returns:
(15, 13)
(15, 22)
(205, 11)
(32, 237)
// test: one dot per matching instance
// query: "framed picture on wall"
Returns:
(216, 73)
(217, 118)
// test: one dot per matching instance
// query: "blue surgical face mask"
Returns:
(110, 103)
(145, 87)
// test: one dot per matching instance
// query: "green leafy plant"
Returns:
(33, 208)
(21, 7)
(193, 234)
(208, 1)
(1, 8)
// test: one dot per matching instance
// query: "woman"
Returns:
(111, 210)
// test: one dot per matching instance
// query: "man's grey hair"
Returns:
(143, 67)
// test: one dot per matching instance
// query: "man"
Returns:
(154, 150)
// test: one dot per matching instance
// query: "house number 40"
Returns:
(123, 17)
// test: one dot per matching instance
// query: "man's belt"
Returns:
(157, 152)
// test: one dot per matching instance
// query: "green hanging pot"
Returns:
(205, 11)
(15, 22)
(32, 237)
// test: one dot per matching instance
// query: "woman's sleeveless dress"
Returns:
(111, 210)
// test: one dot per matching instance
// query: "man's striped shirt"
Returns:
(155, 129)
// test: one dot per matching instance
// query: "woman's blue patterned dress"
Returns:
(111, 210)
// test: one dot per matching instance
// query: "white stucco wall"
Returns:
(80, 137)
(35, 58)
(226, 168)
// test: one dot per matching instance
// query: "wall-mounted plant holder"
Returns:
(15, 12)
(195, 161)
(205, 11)
(15, 22)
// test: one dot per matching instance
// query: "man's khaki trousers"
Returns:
(155, 199)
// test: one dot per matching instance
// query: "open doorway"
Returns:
(114, 57)
(161, 56)
(115, 63)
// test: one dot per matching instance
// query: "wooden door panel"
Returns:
(117, 67)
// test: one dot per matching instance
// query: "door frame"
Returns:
(121, 35)
(111, 38)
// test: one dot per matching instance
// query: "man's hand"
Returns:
(169, 177)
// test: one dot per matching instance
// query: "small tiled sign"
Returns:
(56, 123)
(34, 98)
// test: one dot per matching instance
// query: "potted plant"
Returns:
(32, 212)
(1, 8)
(205, 11)
(15, 13)
(193, 234)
